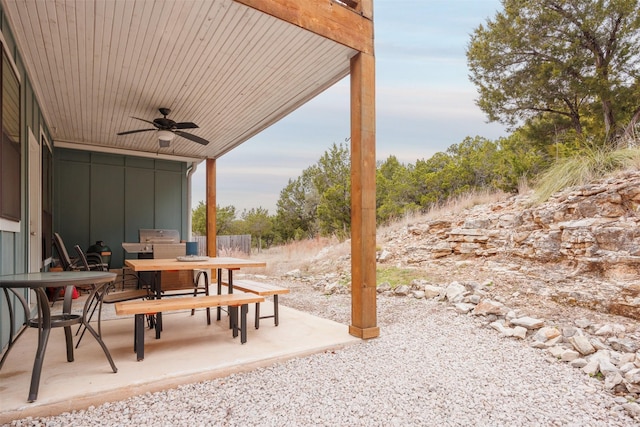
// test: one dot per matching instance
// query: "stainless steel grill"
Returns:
(156, 243)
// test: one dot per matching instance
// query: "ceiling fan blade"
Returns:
(134, 131)
(145, 120)
(186, 125)
(192, 137)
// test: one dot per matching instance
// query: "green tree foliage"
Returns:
(199, 219)
(396, 194)
(296, 209)
(332, 182)
(258, 223)
(565, 64)
(225, 220)
(319, 201)
(518, 159)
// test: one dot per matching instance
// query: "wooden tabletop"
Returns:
(205, 264)
(55, 279)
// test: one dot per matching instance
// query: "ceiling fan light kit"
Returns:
(166, 135)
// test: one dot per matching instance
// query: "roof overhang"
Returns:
(232, 67)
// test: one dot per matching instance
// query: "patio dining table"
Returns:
(44, 320)
(191, 263)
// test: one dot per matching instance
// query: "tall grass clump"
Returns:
(590, 164)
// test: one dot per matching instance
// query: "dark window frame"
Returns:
(10, 141)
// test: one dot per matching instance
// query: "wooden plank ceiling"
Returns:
(226, 67)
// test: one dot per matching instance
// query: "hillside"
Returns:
(581, 249)
(569, 266)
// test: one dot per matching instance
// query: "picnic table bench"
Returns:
(146, 307)
(263, 290)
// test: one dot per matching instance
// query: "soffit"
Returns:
(228, 68)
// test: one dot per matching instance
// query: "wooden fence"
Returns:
(227, 245)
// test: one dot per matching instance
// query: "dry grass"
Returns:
(298, 255)
(451, 206)
(304, 254)
(587, 166)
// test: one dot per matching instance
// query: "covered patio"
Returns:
(82, 75)
(94, 70)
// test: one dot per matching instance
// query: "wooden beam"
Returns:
(366, 8)
(212, 232)
(363, 198)
(326, 18)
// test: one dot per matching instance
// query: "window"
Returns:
(10, 149)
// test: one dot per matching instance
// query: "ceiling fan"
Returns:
(167, 129)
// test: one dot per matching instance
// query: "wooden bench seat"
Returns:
(145, 307)
(263, 290)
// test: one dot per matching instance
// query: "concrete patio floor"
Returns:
(189, 351)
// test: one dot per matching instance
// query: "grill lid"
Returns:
(156, 235)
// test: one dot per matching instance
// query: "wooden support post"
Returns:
(363, 198)
(212, 234)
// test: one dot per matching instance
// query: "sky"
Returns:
(424, 104)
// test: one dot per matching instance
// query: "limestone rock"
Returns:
(486, 307)
(623, 344)
(520, 332)
(463, 307)
(402, 290)
(498, 326)
(455, 292)
(546, 333)
(570, 355)
(632, 380)
(582, 345)
(528, 322)
(431, 291)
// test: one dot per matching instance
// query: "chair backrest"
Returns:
(84, 264)
(95, 263)
(65, 259)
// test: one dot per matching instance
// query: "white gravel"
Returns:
(429, 367)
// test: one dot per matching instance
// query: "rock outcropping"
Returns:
(587, 233)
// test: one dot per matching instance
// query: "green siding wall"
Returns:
(14, 246)
(110, 197)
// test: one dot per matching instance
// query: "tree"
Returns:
(225, 218)
(258, 223)
(332, 181)
(319, 201)
(199, 219)
(573, 62)
(296, 208)
(395, 191)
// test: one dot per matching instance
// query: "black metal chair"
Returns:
(94, 262)
(107, 295)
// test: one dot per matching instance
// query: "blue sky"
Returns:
(424, 104)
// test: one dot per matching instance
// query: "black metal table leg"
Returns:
(44, 314)
(138, 340)
(219, 276)
(244, 308)
(157, 283)
(66, 309)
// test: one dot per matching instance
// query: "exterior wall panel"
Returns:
(109, 197)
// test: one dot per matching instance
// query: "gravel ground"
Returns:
(430, 366)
